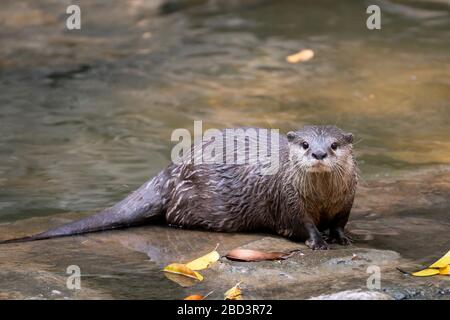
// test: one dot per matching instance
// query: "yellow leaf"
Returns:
(426, 273)
(194, 297)
(181, 280)
(301, 56)
(442, 262)
(204, 261)
(234, 293)
(444, 271)
(182, 269)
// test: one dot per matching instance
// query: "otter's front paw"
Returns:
(344, 240)
(316, 244)
(339, 237)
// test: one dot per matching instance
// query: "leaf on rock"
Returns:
(301, 56)
(441, 267)
(204, 261)
(181, 279)
(194, 297)
(254, 255)
(181, 269)
(234, 293)
(444, 271)
(426, 273)
(197, 296)
(442, 262)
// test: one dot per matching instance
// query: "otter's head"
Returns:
(320, 149)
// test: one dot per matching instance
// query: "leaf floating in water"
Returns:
(302, 56)
(204, 261)
(442, 262)
(254, 255)
(181, 269)
(426, 273)
(234, 293)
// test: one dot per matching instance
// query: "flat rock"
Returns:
(128, 263)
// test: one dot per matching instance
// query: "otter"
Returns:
(311, 191)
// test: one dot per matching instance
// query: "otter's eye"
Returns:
(334, 146)
(305, 145)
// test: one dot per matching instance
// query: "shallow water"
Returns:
(86, 116)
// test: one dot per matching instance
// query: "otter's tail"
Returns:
(142, 206)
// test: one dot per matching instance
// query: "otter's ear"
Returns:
(348, 137)
(291, 136)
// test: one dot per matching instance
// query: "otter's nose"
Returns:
(319, 155)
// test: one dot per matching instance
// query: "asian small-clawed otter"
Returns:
(311, 191)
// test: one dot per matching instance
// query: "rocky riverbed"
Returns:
(395, 223)
(86, 117)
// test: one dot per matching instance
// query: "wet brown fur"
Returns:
(293, 202)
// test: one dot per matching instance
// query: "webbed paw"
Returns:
(338, 236)
(316, 244)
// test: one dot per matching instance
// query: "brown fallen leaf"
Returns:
(235, 293)
(254, 255)
(301, 56)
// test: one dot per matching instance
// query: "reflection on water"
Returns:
(86, 116)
